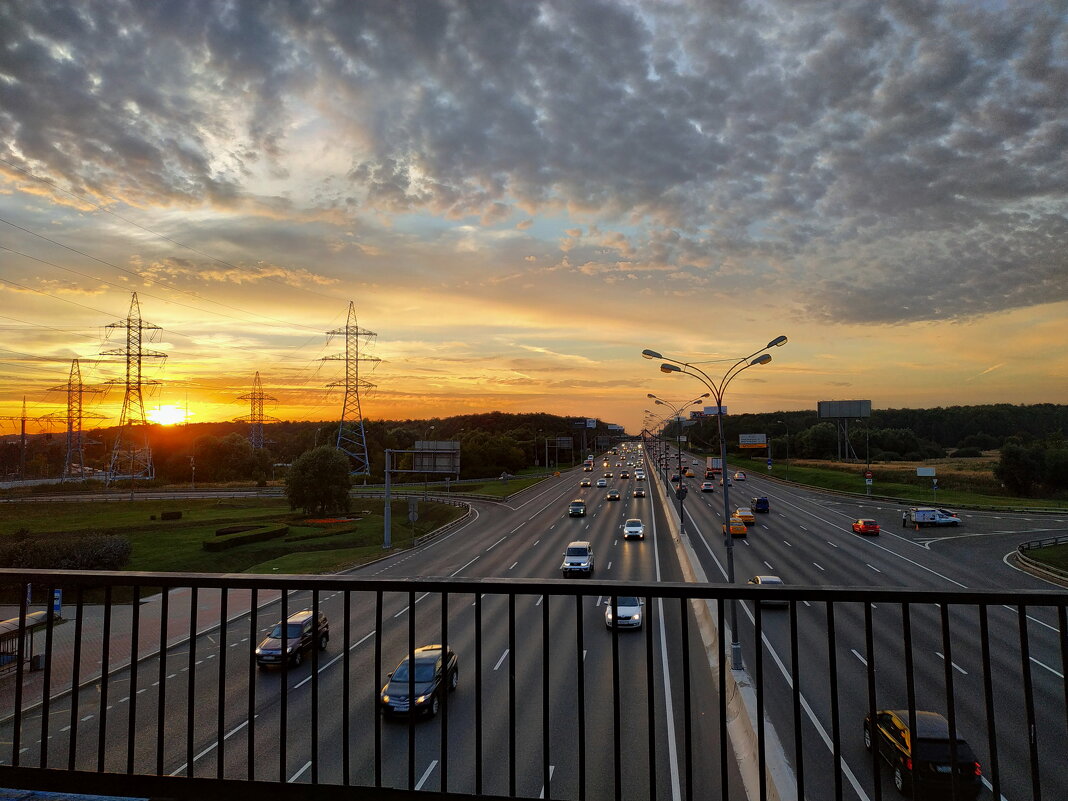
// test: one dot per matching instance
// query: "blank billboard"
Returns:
(849, 408)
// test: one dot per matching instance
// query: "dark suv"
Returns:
(427, 683)
(759, 505)
(300, 634)
(921, 760)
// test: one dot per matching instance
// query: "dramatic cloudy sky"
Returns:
(520, 196)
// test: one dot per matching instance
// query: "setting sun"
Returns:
(167, 415)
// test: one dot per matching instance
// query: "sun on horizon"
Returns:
(167, 415)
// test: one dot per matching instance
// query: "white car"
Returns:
(634, 528)
(639, 475)
(739, 476)
(628, 614)
(695, 462)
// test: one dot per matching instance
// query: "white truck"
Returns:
(713, 467)
(928, 516)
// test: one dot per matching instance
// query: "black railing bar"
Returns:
(511, 696)
(724, 767)
(795, 667)
(411, 689)
(910, 675)
(135, 646)
(220, 723)
(46, 692)
(374, 686)
(684, 631)
(1029, 703)
(873, 704)
(617, 768)
(105, 655)
(20, 658)
(581, 681)
(443, 748)
(988, 697)
(650, 692)
(836, 734)
(526, 586)
(762, 751)
(250, 757)
(1062, 617)
(191, 685)
(545, 775)
(478, 694)
(283, 699)
(76, 668)
(346, 689)
(161, 696)
(951, 706)
(314, 732)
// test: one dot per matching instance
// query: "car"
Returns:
(760, 505)
(585, 483)
(675, 478)
(624, 474)
(602, 482)
(922, 763)
(578, 558)
(737, 528)
(739, 476)
(639, 492)
(639, 475)
(769, 581)
(300, 632)
(431, 675)
(634, 528)
(612, 495)
(608, 474)
(708, 486)
(627, 615)
(745, 515)
(587, 469)
(865, 526)
(729, 484)
(695, 462)
(688, 473)
(577, 508)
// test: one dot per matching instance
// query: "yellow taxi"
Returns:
(745, 515)
(688, 473)
(737, 528)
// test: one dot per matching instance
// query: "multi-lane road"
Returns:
(549, 700)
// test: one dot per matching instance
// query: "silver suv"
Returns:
(578, 558)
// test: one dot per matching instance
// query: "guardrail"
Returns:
(157, 692)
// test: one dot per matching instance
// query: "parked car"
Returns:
(634, 528)
(432, 673)
(921, 760)
(745, 516)
(769, 581)
(865, 526)
(578, 558)
(627, 615)
(299, 634)
(577, 508)
(760, 505)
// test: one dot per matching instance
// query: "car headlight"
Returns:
(385, 699)
(422, 699)
(608, 615)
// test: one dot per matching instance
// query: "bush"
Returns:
(65, 551)
(223, 542)
(967, 453)
(171, 515)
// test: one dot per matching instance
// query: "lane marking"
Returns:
(873, 567)
(817, 564)
(501, 660)
(831, 544)
(513, 565)
(299, 773)
(552, 768)
(788, 545)
(1047, 667)
(863, 661)
(769, 566)
(941, 656)
(426, 774)
(498, 542)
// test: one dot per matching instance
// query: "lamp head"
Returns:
(763, 359)
(778, 342)
(651, 354)
(670, 368)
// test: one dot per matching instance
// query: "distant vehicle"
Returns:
(612, 495)
(925, 516)
(585, 483)
(688, 473)
(578, 558)
(628, 613)
(760, 505)
(602, 482)
(639, 475)
(577, 508)
(431, 675)
(634, 528)
(737, 528)
(608, 474)
(695, 462)
(739, 476)
(675, 478)
(921, 760)
(299, 633)
(745, 515)
(624, 474)
(710, 475)
(587, 468)
(708, 486)
(639, 492)
(865, 526)
(769, 581)
(729, 484)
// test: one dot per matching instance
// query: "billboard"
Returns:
(591, 422)
(752, 440)
(614, 427)
(564, 443)
(714, 410)
(829, 410)
(436, 457)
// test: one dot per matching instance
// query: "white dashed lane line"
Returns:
(817, 564)
(873, 567)
(942, 656)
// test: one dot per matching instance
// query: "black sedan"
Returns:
(432, 674)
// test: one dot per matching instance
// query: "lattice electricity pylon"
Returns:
(138, 460)
(256, 418)
(351, 438)
(74, 464)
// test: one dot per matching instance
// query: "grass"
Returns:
(1054, 556)
(493, 486)
(176, 545)
(963, 482)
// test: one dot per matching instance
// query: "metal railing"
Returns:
(150, 688)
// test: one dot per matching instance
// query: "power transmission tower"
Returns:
(351, 438)
(256, 418)
(74, 464)
(137, 459)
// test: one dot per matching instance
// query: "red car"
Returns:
(865, 527)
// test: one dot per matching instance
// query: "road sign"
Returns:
(867, 474)
(57, 601)
(867, 481)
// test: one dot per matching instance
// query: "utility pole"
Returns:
(74, 463)
(255, 417)
(351, 438)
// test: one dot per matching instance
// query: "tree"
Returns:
(319, 481)
(1020, 468)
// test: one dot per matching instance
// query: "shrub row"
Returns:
(244, 536)
(91, 551)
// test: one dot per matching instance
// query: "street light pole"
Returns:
(718, 391)
(787, 448)
(680, 492)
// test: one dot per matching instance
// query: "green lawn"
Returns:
(176, 545)
(1054, 556)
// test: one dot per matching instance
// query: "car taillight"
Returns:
(908, 764)
(978, 769)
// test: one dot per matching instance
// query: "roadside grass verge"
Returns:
(1053, 555)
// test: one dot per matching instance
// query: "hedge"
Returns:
(222, 542)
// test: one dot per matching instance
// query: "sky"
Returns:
(517, 198)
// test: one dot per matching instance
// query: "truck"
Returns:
(928, 516)
(713, 467)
